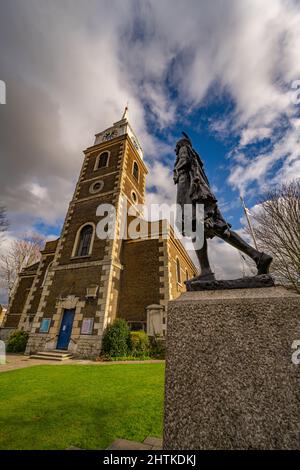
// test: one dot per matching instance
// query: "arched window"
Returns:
(84, 241)
(135, 171)
(178, 271)
(102, 160)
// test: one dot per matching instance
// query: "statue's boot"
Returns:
(206, 272)
(263, 265)
(262, 260)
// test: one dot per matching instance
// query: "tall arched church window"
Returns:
(84, 241)
(102, 160)
(135, 171)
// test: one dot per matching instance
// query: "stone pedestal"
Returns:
(230, 379)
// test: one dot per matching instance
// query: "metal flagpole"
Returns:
(249, 222)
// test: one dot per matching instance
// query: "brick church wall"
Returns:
(112, 164)
(18, 301)
(139, 279)
(71, 282)
(38, 285)
(109, 183)
(84, 212)
(187, 269)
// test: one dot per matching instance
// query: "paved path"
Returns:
(150, 443)
(19, 361)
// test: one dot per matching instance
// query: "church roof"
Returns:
(32, 269)
(50, 247)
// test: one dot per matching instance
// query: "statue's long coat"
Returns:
(193, 187)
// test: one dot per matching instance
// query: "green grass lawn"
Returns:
(54, 407)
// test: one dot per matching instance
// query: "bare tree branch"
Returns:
(22, 253)
(3, 222)
(277, 230)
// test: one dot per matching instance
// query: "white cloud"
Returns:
(163, 110)
(249, 49)
(37, 190)
(250, 135)
(225, 261)
(286, 150)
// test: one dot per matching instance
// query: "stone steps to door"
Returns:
(52, 355)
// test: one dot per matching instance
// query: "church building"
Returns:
(82, 283)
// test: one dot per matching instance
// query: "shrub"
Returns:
(116, 339)
(125, 358)
(139, 343)
(17, 342)
(157, 348)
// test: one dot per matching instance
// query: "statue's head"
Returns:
(184, 141)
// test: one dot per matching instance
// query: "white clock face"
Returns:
(108, 135)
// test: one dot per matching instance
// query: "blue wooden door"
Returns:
(65, 329)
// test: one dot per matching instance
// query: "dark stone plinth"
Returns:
(253, 282)
(230, 380)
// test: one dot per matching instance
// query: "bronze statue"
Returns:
(193, 188)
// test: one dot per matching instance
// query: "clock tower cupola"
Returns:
(118, 129)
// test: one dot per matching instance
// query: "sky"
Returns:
(221, 70)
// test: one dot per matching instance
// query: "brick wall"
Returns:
(113, 160)
(72, 282)
(84, 211)
(38, 285)
(139, 279)
(18, 302)
(187, 269)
